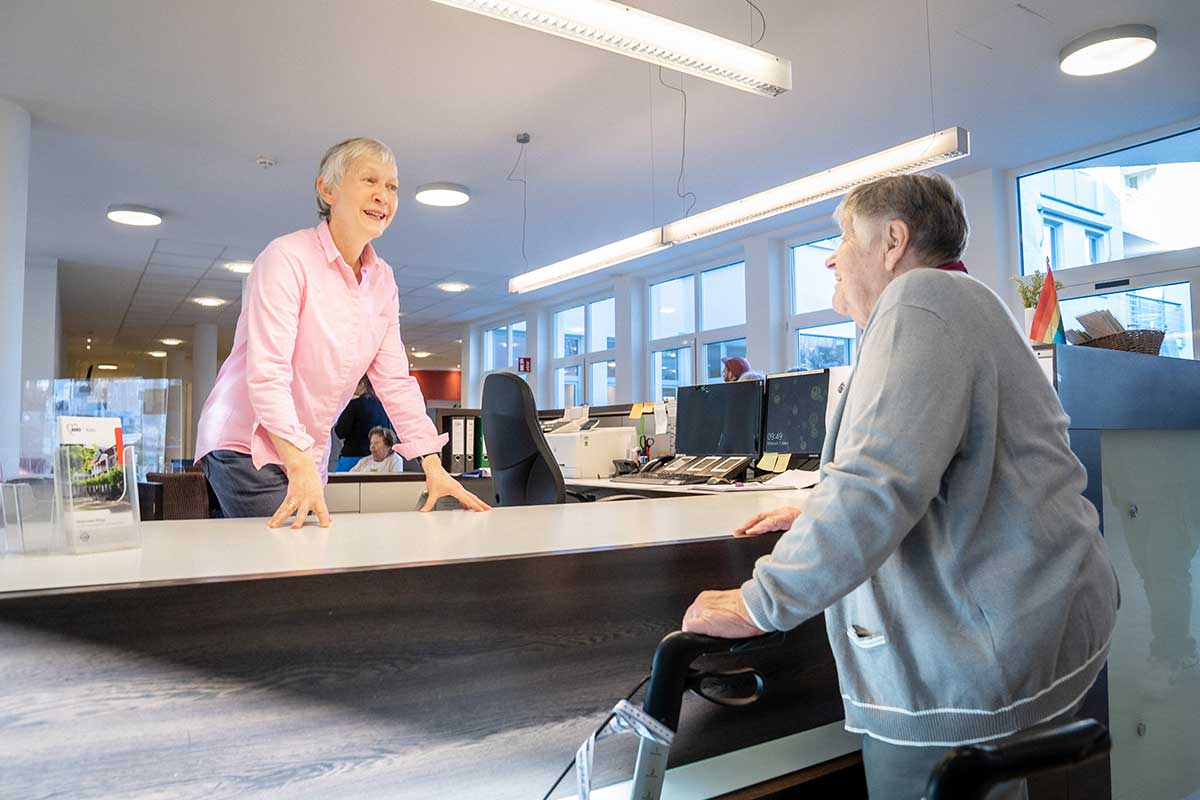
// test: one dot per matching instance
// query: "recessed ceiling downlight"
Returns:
(171, 342)
(1108, 50)
(454, 286)
(157, 353)
(209, 302)
(240, 267)
(443, 194)
(422, 353)
(140, 216)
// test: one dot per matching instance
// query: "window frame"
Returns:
(585, 359)
(699, 338)
(810, 319)
(508, 332)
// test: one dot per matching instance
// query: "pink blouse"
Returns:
(307, 332)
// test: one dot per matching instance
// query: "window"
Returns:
(812, 281)
(723, 296)
(673, 308)
(585, 340)
(822, 337)
(1132, 202)
(602, 383)
(714, 368)
(1165, 308)
(568, 332)
(602, 327)
(825, 346)
(1095, 244)
(568, 386)
(671, 369)
(502, 346)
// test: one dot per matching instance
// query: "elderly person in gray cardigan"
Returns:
(967, 591)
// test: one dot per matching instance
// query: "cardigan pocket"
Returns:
(863, 638)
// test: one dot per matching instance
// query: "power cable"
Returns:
(754, 9)
(679, 192)
(522, 139)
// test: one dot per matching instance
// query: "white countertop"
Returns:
(198, 551)
(633, 488)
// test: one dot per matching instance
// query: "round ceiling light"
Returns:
(134, 215)
(171, 342)
(443, 194)
(454, 286)
(422, 353)
(1108, 50)
(240, 267)
(157, 353)
(106, 366)
(208, 302)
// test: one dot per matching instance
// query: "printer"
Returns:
(590, 453)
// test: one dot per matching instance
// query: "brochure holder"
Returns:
(100, 512)
(27, 518)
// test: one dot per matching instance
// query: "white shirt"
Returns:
(393, 463)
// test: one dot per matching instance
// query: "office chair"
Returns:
(524, 472)
(964, 773)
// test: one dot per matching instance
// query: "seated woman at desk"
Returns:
(321, 309)
(362, 415)
(967, 591)
(383, 458)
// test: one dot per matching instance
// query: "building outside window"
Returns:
(1164, 308)
(1136, 201)
(585, 368)
(820, 336)
(695, 320)
(502, 346)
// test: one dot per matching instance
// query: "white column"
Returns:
(766, 304)
(472, 367)
(987, 255)
(204, 367)
(42, 328)
(631, 339)
(14, 209)
(179, 426)
(539, 327)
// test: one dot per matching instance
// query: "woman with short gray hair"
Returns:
(321, 310)
(967, 591)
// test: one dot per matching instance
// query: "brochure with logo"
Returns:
(97, 503)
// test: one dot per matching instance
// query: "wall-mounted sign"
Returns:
(524, 364)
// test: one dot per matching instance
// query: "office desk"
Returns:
(607, 486)
(406, 655)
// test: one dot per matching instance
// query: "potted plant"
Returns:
(1030, 287)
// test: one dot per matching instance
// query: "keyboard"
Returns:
(660, 479)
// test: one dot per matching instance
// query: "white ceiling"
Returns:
(167, 104)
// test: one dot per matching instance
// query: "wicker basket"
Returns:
(1133, 341)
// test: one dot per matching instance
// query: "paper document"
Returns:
(792, 479)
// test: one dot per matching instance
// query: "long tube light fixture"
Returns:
(624, 250)
(914, 156)
(638, 34)
(919, 154)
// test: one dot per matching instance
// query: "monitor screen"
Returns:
(720, 419)
(796, 412)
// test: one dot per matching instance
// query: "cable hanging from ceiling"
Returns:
(523, 139)
(755, 9)
(679, 181)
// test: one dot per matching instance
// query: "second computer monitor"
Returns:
(720, 419)
(795, 420)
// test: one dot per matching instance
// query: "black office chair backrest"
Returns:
(524, 472)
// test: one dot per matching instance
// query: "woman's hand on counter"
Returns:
(722, 614)
(779, 519)
(305, 493)
(438, 484)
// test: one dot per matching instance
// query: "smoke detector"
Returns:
(265, 162)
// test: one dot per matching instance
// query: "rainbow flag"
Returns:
(1047, 325)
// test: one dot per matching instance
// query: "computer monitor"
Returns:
(795, 418)
(720, 419)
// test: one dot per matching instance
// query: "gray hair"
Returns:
(388, 436)
(338, 158)
(928, 204)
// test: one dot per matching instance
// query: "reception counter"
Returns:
(407, 655)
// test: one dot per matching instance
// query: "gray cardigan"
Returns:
(967, 591)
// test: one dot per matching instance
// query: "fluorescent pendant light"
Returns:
(638, 245)
(107, 367)
(1108, 50)
(647, 37)
(139, 216)
(914, 156)
(443, 194)
(919, 154)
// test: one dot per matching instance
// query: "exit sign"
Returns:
(524, 364)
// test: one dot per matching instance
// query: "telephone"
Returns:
(626, 466)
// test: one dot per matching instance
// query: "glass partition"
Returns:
(1151, 484)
